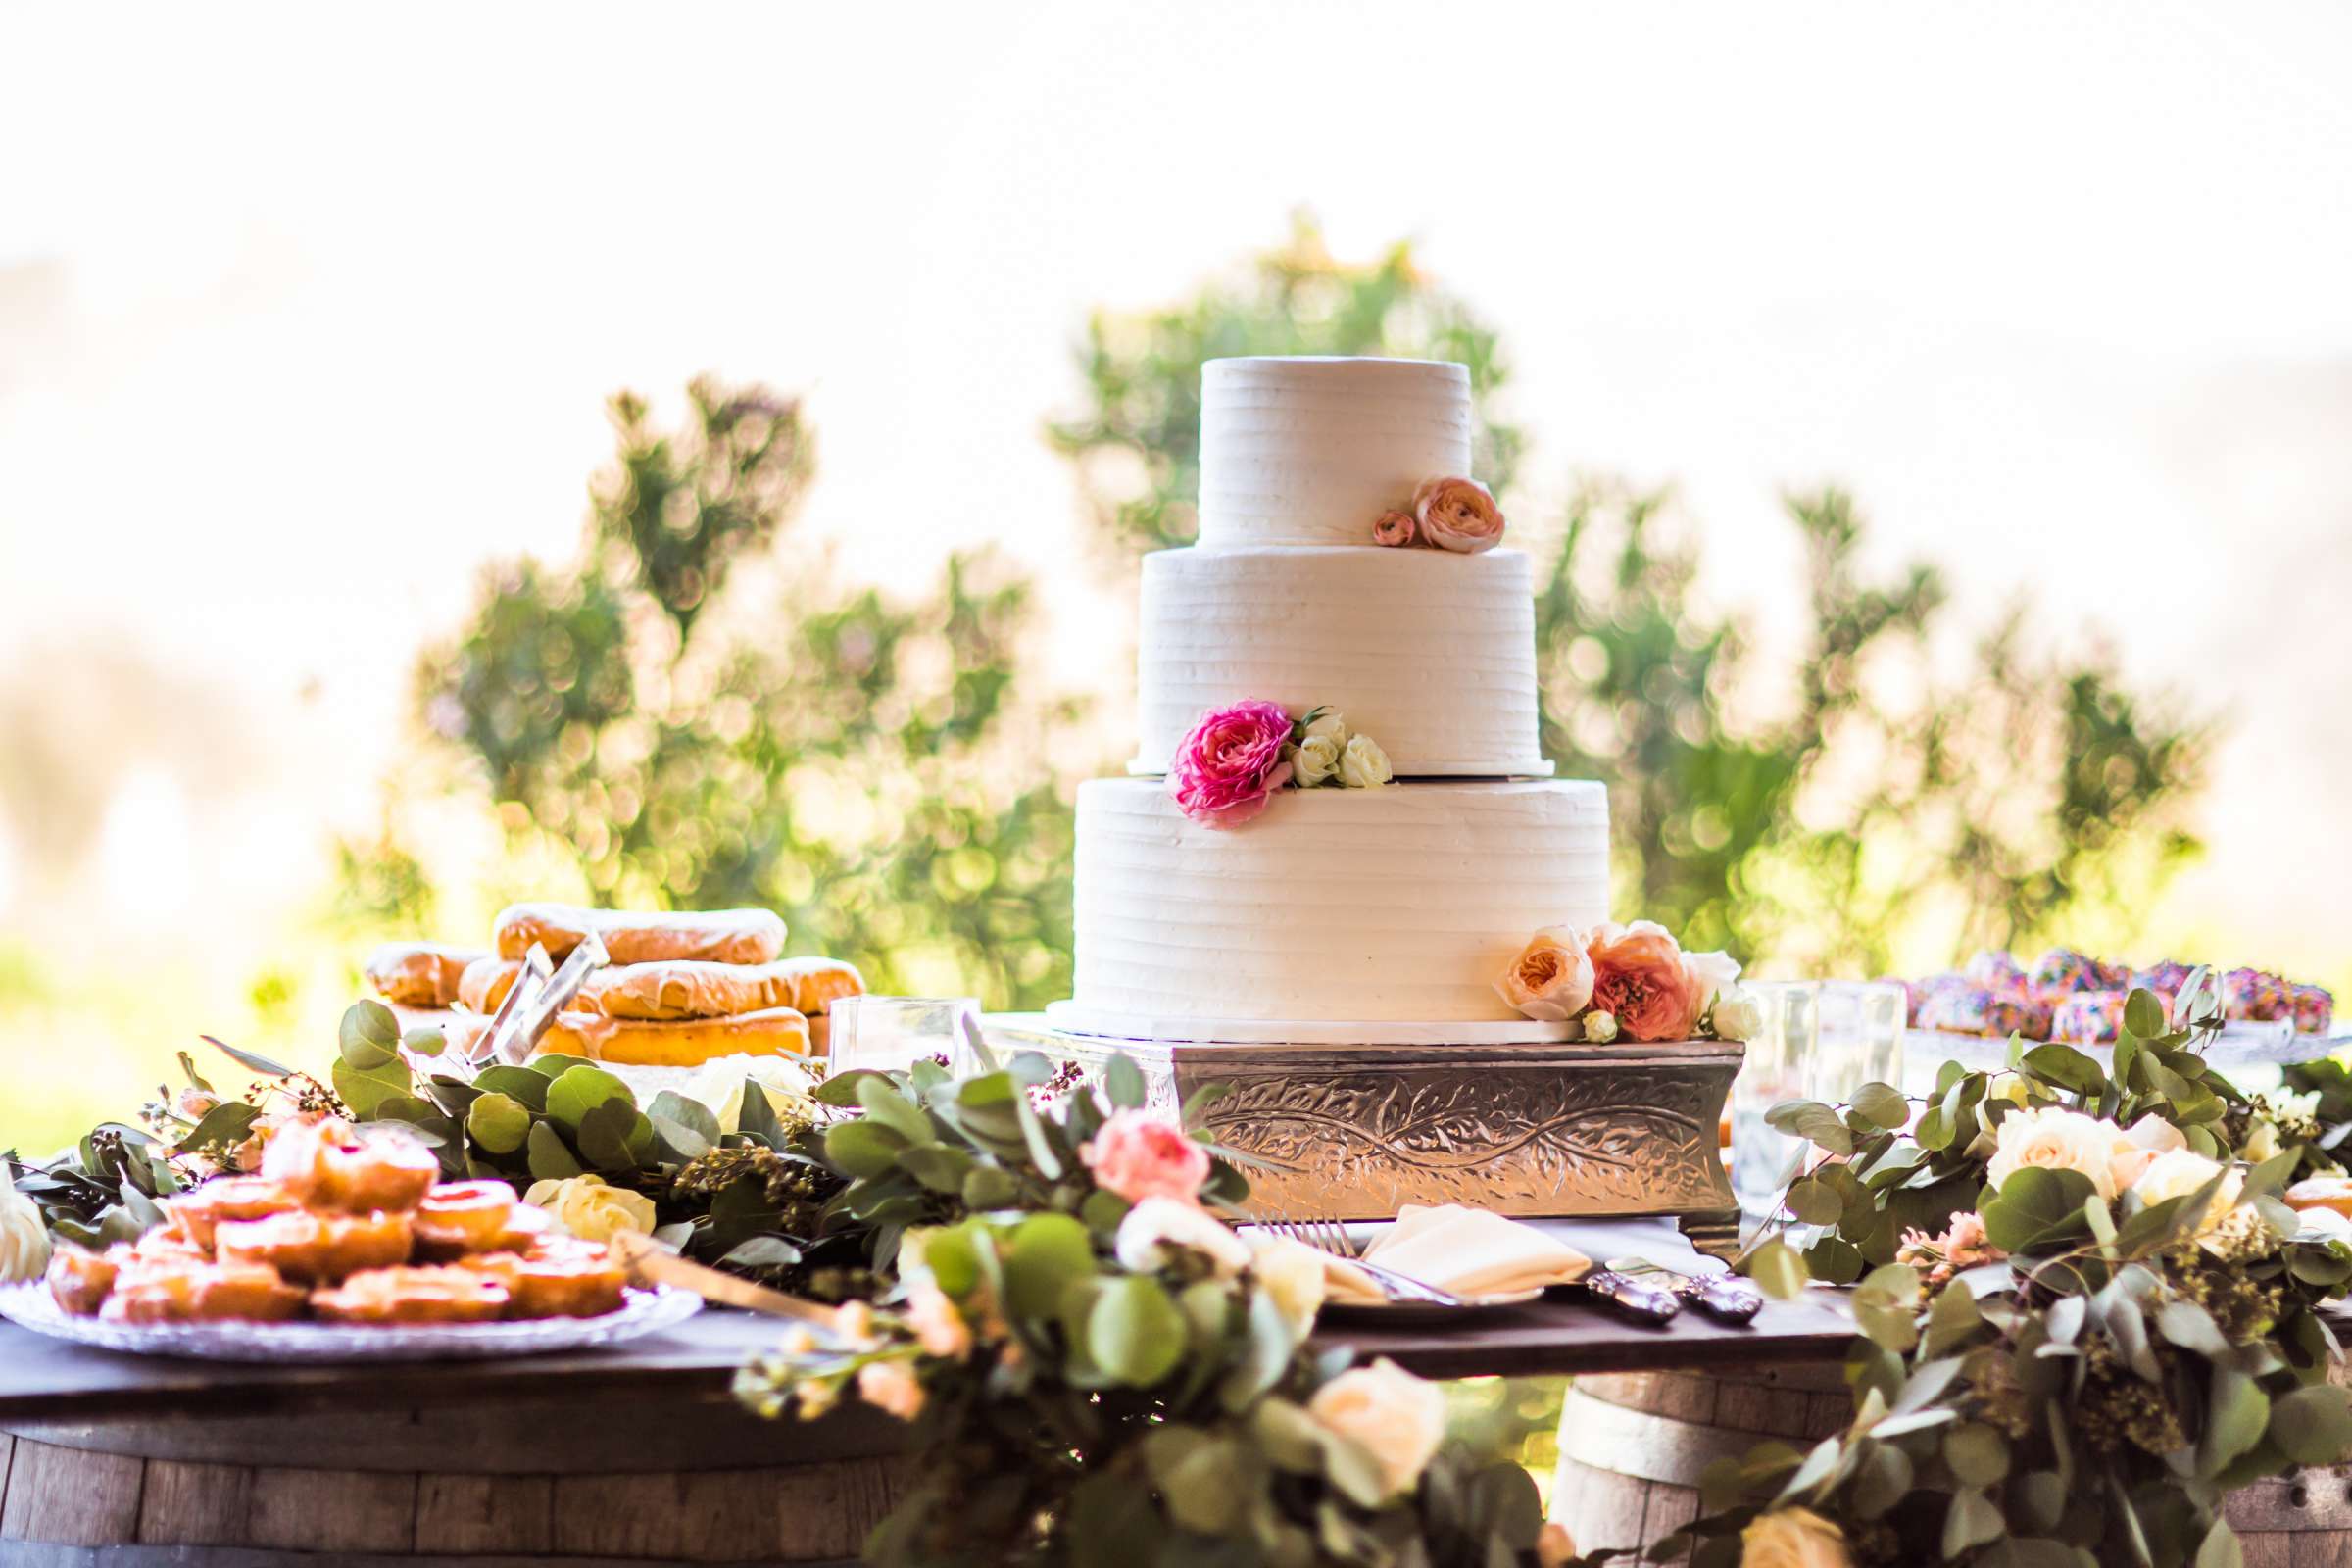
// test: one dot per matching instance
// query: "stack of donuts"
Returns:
(342, 1229)
(677, 989)
(2069, 995)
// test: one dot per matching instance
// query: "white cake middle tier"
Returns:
(1400, 904)
(1431, 654)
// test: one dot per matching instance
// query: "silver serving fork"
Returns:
(1330, 1238)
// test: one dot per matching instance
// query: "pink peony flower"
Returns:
(1457, 514)
(1140, 1154)
(1395, 529)
(1230, 762)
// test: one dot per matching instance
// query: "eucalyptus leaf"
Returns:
(1977, 1454)
(1123, 1081)
(682, 1141)
(1134, 1331)
(863, 1148)
(581, 1089)
(1777, 1269)
(365, 1089)
(1043, 1256)
(1883, 1105)
(368, 1035)
(2312, 1425)
(520, 1084)
(1815, 1202)
(884, 1105)
(1972, 1520)
(551, 1160)
(225, 1123)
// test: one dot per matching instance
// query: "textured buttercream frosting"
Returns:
(1312, 451)
(1432, 654)
(1400, 904)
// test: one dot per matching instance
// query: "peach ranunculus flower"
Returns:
(1457, 514)
(1395, 529)
(1640, 979)
(1141, 1154)
(1793, 1538)
(891, 1388)
(1551, 978)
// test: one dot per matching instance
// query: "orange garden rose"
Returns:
(1551, 978)
(1638, 977)
(1457, 514)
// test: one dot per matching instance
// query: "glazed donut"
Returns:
(411, 1295)
(679, 1041)
(80, 1280)
(192, 1292)
(486, 982)
(418, 974)
(318, 1247)
(325, 1165)
(723, 936)
(197, 1213)
(456, 1219)
(2322, 1192)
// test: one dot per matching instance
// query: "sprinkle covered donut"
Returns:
(2088, 1017)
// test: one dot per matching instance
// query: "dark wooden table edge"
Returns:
(1550, 1338)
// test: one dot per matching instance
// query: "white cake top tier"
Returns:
(1431, 654)
(1312, 451)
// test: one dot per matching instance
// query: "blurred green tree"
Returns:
(690, 717)
(1864, 799)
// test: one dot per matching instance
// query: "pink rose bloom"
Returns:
(1395, 528)
(1457, 514)
(1230, 762)
(1140, 1154)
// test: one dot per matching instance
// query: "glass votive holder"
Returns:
(1858, 1039)
(890, 1034)
(1777, 1066)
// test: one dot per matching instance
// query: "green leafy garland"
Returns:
(1094, 1380)
(2085, 1318)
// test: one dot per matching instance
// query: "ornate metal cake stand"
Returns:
(1541, 1129)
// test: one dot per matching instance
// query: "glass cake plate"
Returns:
(642, 1312)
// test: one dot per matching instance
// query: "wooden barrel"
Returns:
(515, 1485)
(1633, 1445)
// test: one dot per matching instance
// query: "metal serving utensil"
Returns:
(532, 1003)
(651, 1263)
(1726, 1298)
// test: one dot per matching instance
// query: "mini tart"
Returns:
(412, 1295)
(2322, 1192)
(193, 1292)
(318, 1249)
(456, 1219)
(564, 1278)
(80, 1280)
(197, 1215)
(324, 1167)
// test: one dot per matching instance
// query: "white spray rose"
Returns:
(2143, 1142)
(24, 1238)
(1328, 726)
(590, 1209)
(1388, 1412)
(1739, 1015)
(1363, 765)
(1313, 760)
(721, 1084)
(1715, 972)
(2182, 1172)
(1292, 1275)
(1157, 1228)
(2010, 1086)
(2054, 1138)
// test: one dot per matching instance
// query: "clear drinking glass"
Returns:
(890, 1034)
(1859, 1039)
(1777, 1066)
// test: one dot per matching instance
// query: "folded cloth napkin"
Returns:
(1469, 1251)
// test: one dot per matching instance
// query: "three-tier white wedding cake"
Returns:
(1382, 914)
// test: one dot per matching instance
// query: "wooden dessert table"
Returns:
(626, 1455)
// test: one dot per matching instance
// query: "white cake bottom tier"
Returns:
(1333, 905)
(1431, 654)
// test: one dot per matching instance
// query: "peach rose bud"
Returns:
(1551, 979)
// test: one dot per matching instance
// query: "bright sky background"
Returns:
(305, 313)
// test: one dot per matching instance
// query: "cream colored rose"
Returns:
(1739, 1015)
(1330, 724)
(1388, 1412)
(2262, 1142)
(2143, 1142)
(1313, 760)
(24, 1238)
(2182, 1172)
(719, 1085)
(1157, 1229)
(1551, 978)
(2054, 1138)
(1714, 971)
(1793, 1538)
(1363, 765)
(591, 1210)
(1292, 1275)
(2009, 1086)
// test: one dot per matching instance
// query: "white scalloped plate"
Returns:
(642, 1312)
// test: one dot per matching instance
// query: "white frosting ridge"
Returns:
(1312, 451)
(1400, 904)
(1431, 654)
